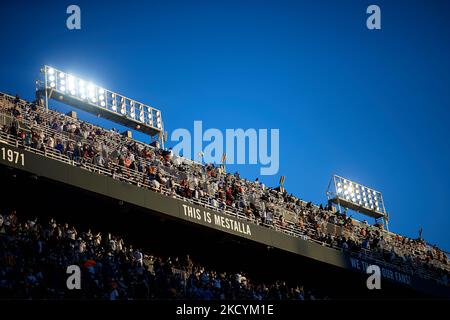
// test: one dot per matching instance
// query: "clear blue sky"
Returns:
(372, 106)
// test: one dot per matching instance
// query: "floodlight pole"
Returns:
(335, 190)
(335, 186)
(328, 190)
(45, 88)
(386, 219)
(329, 193)
(339, 205)
(162, 132)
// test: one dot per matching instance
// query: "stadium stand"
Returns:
(34, 257)
(75, 142)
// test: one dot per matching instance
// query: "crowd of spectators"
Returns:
(34, 257)
(211, 185)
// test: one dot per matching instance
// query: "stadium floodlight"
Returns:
(357, 197)
(68, 88)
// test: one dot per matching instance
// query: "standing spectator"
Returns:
(138, 258)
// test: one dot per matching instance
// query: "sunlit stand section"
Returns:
(344, 193)
(76, 92)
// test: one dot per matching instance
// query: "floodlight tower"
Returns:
(354, 196)
(85, 95)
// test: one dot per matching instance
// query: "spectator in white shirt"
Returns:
(155, 184)
(51, 143)
(138, 258)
